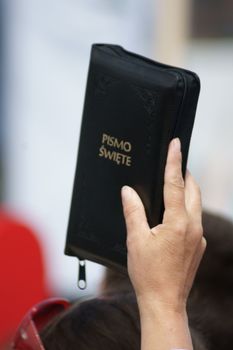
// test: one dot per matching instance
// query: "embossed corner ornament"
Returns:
(148, 97)
(150, 104)
(102, 83)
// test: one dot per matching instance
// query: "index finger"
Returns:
(174, 196)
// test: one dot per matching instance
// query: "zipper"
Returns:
(82, 283)
(181, 107)
(180, 111)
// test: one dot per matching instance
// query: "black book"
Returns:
(133, 107)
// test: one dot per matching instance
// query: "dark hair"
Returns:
(111, 322)
(210, 305)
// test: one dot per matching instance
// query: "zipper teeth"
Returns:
(181, 107)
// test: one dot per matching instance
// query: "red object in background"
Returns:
(22, 273)
(27, 336)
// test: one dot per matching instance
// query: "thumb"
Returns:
(134, 212)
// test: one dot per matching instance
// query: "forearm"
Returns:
(163, 328)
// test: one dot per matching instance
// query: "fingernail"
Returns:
(126, 192)
(176, 144)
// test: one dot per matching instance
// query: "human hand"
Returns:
(163, 260)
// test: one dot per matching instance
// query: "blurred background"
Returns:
(44, 57)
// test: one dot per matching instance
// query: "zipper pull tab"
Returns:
(82, 275)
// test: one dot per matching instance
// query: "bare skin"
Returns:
(163, 260)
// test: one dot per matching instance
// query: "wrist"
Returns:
(163, 316)
(167, 324)
(151, 305)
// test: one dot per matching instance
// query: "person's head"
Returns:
(210, 304)
(111, 322)
(215, 274)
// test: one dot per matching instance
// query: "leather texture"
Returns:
(133, 108)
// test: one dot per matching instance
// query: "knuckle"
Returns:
(176, 182)
(197, 188)
(131, 210)
(195, 184)
(128, 241)
(176, 202)
(203, 244)
(132, 244)
(181, 226)
(197, 230)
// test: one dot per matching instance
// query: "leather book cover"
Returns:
(133, 108)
